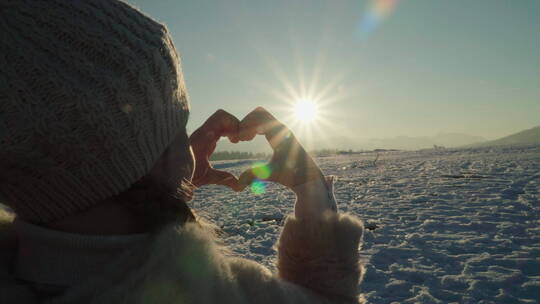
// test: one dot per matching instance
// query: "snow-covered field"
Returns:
(450, 226)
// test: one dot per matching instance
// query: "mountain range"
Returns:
(525, 137)
(449, 140)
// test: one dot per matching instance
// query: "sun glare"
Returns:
(305, 111)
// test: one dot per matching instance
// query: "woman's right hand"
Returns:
(290, 165)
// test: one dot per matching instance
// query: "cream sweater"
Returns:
(317, 262)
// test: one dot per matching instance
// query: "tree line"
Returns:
(233, 155)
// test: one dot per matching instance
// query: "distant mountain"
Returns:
(456, 139)
(526, 137)
(423, 142)
(449, 140)
(259, 144)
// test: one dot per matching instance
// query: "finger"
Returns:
(262, 122)
(223, 124)
(219, 124)
(246, 178)
(258, 121)
(223, 178)
(254, 123)
(204, 139)
(260, 172)
(246, 131)
(233, 137)
(216, 177)
(280, 136)
(200, 175)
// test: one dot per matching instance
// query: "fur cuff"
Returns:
(322, 255)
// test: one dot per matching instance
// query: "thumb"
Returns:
(223, 178)
(246, 178)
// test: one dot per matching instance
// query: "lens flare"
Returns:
(258, 187)
(261, 170)
(376, 13)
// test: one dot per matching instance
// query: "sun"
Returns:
(306, 111)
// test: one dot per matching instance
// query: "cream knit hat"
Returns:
(91, 94)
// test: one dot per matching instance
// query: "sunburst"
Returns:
(306, 111)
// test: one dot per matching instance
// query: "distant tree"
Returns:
(232, 155)
(435, 147)
(323, 152)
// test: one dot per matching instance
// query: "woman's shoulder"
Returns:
(181, 261)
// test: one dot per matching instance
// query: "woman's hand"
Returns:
(290, 165)
(203, 142)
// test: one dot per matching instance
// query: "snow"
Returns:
(447, 226)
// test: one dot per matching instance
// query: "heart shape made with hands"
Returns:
(290, 164)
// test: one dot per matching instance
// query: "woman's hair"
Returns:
(155, 206)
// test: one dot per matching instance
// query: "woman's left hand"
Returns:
(203, 142)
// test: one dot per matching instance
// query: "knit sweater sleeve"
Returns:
(317, 254)
(322, 255)
(320, 251)
(317, 263)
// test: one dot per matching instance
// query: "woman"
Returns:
(97, 165)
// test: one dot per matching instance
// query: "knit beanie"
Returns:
(91, 94)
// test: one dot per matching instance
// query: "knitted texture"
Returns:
(91, 94)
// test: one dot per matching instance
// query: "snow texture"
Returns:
(447, 226)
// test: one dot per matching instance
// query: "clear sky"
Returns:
(409, 67)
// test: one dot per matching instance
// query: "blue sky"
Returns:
(431, 66)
